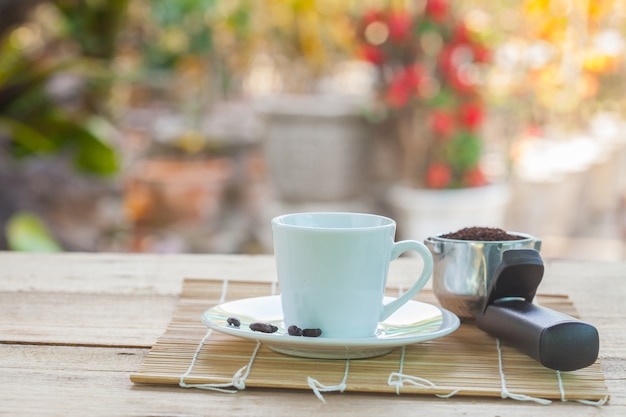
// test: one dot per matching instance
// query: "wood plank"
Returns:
(163, 274)
(84, 319)
(70, 358)
(160, 274)
(583, 282)
(79, 381)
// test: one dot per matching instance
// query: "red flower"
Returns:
(463, 36)
(413, 76)
(460, 82)
(437, 9)
(398, 93)
(481, 54)
(438, 175)
(442, 124)
(471, 116)
(446, 62)
(372, 54)
(455, 62)
(371, 16)
(399, 26)
(403, 85)
(461, 33)
(474, 178)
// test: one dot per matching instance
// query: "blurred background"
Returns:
(185, 126)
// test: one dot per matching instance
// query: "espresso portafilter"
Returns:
(494, 284)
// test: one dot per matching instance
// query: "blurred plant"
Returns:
(54, 81)
(26, 232)
(430, 67)
(190, 38)
(580, 47)
(94, 27)
(301, 41)
(47, 104)
(176, 60)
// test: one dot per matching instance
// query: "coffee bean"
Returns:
(233, 321)
(294, 330)
(311, 332)
(263, 327)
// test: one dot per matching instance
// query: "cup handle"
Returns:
(398, 249)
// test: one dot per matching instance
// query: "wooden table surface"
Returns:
(73, 327)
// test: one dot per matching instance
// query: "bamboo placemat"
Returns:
(466, 363)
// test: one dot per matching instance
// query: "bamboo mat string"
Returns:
(224, 291)
(318, 387)
(397, 379)
(239, 380)
(586, 402)
(212, 387)
(505, 392)
(400, 383)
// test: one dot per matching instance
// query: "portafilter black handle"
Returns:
(554, 339)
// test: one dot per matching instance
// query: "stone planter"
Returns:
(422, 213)
(317, 147)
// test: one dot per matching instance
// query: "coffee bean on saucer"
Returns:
(233, 321)
(294, 330)
(263, 327)
(311, 332)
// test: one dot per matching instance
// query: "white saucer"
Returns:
(413, 322)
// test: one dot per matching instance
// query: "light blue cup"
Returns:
(332, 270)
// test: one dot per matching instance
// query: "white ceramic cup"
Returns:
(332, 270)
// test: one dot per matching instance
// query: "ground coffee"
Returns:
(481, 234)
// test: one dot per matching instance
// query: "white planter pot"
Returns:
(421, 213)
(549, 205)
(317, 148)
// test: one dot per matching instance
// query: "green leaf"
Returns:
(463, 151)
(94, 156)
(28, 138)
(444, 99)
(26, 232)
(82, 138)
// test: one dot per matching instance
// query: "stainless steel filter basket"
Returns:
(463, 269)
